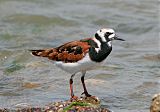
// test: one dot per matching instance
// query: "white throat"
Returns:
(109, 43)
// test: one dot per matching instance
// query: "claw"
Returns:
(86, 94)
(82, 93)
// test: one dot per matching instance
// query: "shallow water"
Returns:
(126, 83)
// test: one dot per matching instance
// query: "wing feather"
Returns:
(69, 52)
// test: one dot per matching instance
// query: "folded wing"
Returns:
(69, 52)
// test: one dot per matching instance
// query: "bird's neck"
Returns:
(100, 53)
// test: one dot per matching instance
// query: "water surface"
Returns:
(126, 83)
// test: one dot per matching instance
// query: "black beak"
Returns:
(116, 38)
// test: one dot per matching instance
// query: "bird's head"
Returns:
(106, 35)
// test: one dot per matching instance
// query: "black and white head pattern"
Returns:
(105, 35)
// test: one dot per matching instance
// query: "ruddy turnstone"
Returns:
(81, 55)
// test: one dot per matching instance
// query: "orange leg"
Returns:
(73, 97)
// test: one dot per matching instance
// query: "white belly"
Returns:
(83, 65)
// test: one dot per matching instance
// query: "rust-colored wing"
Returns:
(69, 52)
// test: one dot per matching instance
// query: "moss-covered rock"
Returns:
(84, 104)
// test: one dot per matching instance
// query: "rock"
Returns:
(155, 105)
(84, 104)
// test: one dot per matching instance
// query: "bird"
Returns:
(81, 55)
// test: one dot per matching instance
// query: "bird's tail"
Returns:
(37, 52)
(50, 53)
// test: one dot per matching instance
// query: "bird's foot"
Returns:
(86, 94)
(73, 98)
(90, 97)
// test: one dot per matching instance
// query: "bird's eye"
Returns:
(100, 30)
(108, 33)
